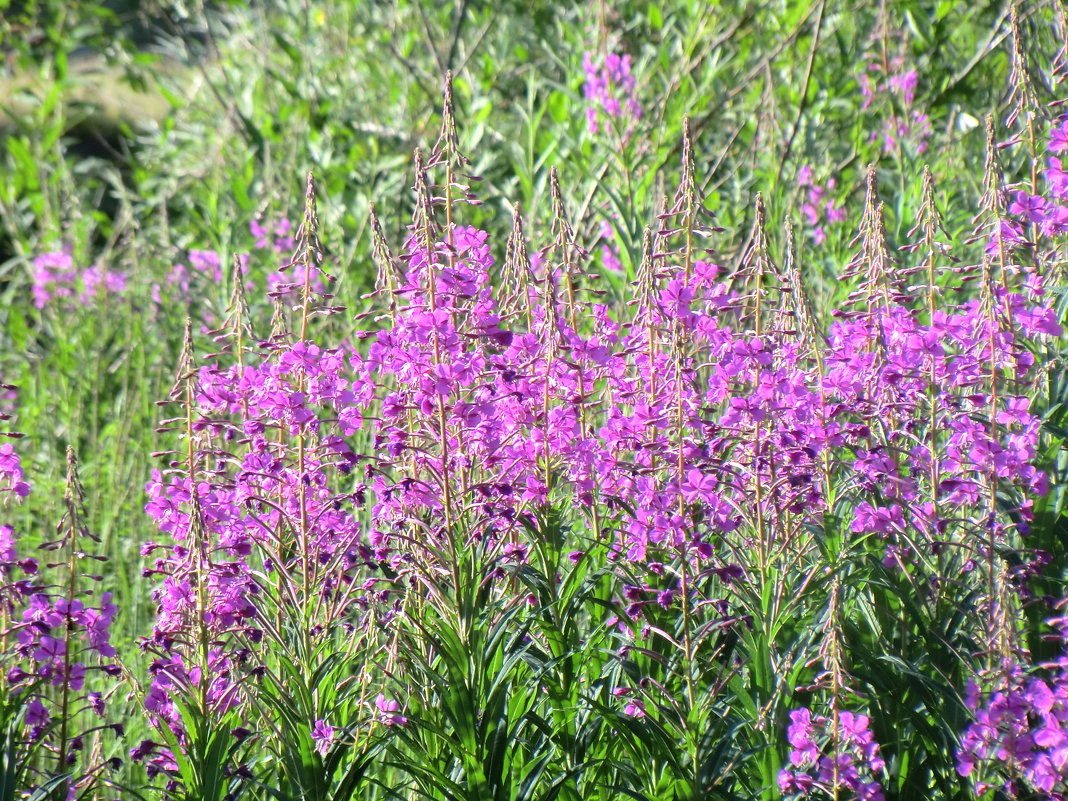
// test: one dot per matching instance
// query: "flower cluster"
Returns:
(227, 531)
(203, 266)
(56, 657)
(1044, 213)
(830, 754)
(610, 91)
(820, 208)
(894, 88)
(57, 278)
(690, 437)
(201, 272)
(1020, 735)
(56, 638)
(610, 260)
(13, 486)
(288, 280)
(275, 235)
(707, 413)
(260, 517)
(12, 480)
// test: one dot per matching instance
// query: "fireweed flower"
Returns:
(610, 91)
(820, 208)
(96, 281)
(194, 278)
(54, 276)
(635, 708)
(13, 489)
(895, 90)
(276, 235)
(388, 710)
(1020, 733)
(271, 517)
(322, 736)
(664, 416)
(186, 280)
(11, 476)
(54, 642)
(829, 761)
(57, 278)
(610, 260)
(1058, 135)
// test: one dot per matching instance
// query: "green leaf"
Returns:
(558, 107)
(17, 328)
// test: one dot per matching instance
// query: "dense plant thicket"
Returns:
(590, 508)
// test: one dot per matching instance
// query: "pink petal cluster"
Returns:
(610, 91)
(1019, 738)
(820, 207)
(895, 90)
(57, 278)
(829, 759)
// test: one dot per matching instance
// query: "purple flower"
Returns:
(323, 736)
(819, 208)
(1058, 136)
(799, 735)
(610, 90)
(37, 718)
(1030, 207)
(49, 649)
(699, 487)
(388, 710)
(96, 703)
(635, 708)
(56, 277)
(853, 765)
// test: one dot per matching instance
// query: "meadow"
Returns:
(497, 401)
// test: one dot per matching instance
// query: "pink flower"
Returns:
(323, 736)
(388, 710)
